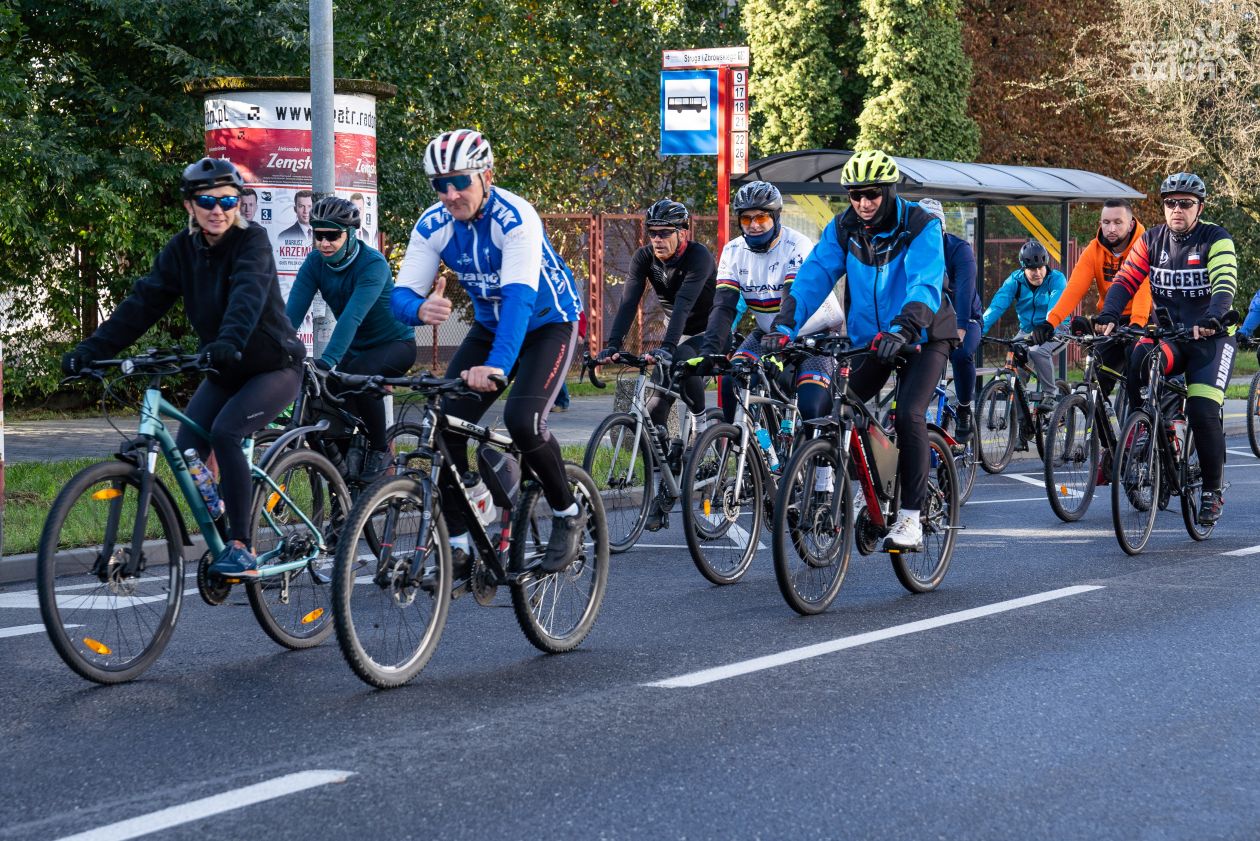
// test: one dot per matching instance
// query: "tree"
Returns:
(919, 78)
(804, 77)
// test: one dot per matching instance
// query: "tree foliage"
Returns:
(804, 82)
(919, 79)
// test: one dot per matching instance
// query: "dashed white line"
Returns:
(23, 630)
(208, 806)
(1246, 550)
(819, 649)
(1028, 479)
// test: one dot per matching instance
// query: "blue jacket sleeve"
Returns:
(999, 303)
(925, 276)
(405, 304)
(1252, 321)
(303, 292)
(817, 275)
(962, 269)
(516, 308)
(368, 286)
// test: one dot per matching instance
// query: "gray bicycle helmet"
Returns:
(1184, 182)
(758, 195)
(208, 173)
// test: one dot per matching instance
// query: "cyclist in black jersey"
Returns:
(684, 277)
(1193, 274)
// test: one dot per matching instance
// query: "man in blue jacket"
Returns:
(893, 255)
(1034, 288)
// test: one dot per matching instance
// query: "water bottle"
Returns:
(479, 495)
(354, 456)
(785, 427)
(763, 438)
(205, 483)
(1179, 435)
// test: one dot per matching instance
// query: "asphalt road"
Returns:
(1085, 694)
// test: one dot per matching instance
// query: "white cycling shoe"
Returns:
(906, 534)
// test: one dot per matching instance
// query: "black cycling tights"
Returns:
(916, 385)
(231, 413)
(392, 359)
(536, 378)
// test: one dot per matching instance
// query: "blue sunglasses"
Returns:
(208, 202)
(459, 182)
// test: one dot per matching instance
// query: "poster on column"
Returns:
(267, 134)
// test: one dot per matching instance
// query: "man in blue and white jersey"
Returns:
(526, 308)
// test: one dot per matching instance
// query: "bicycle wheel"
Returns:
(556, 611)
(388, 624)
(294, 606)
(621, 465)
(722, 525)
(995, 426)
(108, 627)
(1071, 465)
(1192, 491)
(1253, 415)
(921, 572)
(966, 464)
(813, 527)
(1135, 483)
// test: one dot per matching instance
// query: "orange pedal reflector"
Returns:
(312, 616)
(1063, 490)
(107, 493)
(97, 646)
(708, 507)
(274, 500)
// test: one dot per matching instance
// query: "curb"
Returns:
(20, 568)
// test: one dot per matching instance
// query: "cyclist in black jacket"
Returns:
(684, 277)
(222, 268)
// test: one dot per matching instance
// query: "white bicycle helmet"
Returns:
(461, 150)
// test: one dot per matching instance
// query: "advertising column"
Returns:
(267, 133)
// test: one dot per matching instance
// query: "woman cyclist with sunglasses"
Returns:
(222, 268)
(354, 279)
(526, 310)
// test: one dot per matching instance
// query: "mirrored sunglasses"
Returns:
(459, 182)
(208, 202)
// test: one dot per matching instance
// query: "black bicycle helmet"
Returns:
(1033, 255)
(668, 212)
(758, 195)
(336, 211)
(1184, 182)
(208, 173)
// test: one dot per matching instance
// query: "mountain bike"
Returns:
(1005, 420)
(944, 413)
(730, 475)
(1081, 435)
(627, 450)
(390, 607)
(1253, 398)
(1157, 457)
(815, 521)
(110, 563)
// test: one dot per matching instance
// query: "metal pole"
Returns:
(724, 156)
(323, 144)
(1063, 267)
(980, 273)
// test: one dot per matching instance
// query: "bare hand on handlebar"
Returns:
(480, 378)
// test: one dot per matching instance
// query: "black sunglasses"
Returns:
(661, 233)
(208, 202)
(459, 182)
(856, 196)
(1184, 204)
(327, 236)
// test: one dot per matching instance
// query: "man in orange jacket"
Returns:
(1118, 230)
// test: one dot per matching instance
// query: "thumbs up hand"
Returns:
(436, 307)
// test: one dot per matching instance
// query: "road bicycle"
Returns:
(817, 519)
(1005, 420)
(1157, 457)
(390, 607)
(627, 451)
(110, 563)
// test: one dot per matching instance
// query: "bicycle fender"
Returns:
(936, 427)
(284, 440)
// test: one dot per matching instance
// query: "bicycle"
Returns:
(1253, 398)
(1081, 435)
(390, 608)
(815, 517)
(1157, 457)
(726, 479)
(110, 562)
(944, 413)
(1005, 420)
(627, 449)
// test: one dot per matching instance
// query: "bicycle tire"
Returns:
(295, 608)
(1135, 483)
(966, 464)
(810, 586)
(1253, 415)
(544, 602)
(1192, 490)
(995, 425)
(616, 475)
(715, 450)
(374, 617)
(71, 598)
(1071, 463)
(922, 572)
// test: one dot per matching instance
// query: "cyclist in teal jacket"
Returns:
(1034, 288)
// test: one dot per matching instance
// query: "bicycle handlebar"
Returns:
(153, 361)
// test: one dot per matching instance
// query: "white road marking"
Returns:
(972, 502)
(29, 600)
(23, 630)
(1027, 478)
(1247, 550)
(1244, 453)
(208, 806)
(819, 649)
